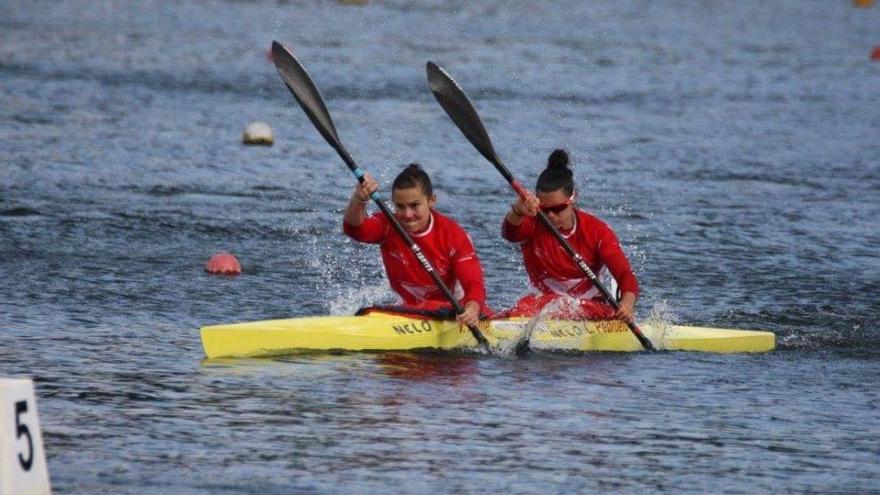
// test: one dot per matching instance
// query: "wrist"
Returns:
(514, 209)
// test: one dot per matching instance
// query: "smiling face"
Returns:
(559, 208)
(412, 208)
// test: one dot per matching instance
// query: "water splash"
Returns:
(537, 324)
(661, 319)
(350, 299)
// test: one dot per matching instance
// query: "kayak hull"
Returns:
(385, 332)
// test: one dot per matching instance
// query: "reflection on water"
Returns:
(429, 366)
(448, 367)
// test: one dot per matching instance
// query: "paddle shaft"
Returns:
(307, 95)
(458, 106)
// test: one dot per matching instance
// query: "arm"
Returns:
(356, 211)
(355, 222)
(522, 208)
(470, 275)
(614, 258)
(519, 223)
(627, 309)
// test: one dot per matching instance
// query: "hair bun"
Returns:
(558, 159)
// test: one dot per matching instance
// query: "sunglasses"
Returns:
(557, 209)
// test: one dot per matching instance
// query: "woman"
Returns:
(444, 243)
(551, 270)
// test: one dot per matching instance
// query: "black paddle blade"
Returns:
(460, 109)
(306, 93)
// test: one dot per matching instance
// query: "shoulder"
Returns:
(590, 219)
(445, 224)
(449, 228)
(593, 224)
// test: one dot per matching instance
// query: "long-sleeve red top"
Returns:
(552, 271)
(444, 243)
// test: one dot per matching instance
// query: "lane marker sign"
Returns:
(22, 459)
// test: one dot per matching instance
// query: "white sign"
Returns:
(22, 460)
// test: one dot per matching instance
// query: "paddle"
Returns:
(300, 84)
(460, 109)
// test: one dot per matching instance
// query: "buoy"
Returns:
(875, 55)
(223, 264)
(864, 4)
(258, 133)
(22, 459)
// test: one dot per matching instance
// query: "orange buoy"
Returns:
(864, 4)
(875, 55)
(223, 264)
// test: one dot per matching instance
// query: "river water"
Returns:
(733, 147)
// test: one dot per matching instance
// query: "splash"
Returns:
(661, 321)
(350, 299)
(345, 275)
(536, 325)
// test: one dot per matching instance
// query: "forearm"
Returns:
(470, 276)
(518, 232)
(355, 212)
(514, 216)
(628, 299)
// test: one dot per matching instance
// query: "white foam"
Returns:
(350, 299)
(661, 319)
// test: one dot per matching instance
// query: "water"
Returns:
(733, 147)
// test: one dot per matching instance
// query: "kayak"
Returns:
(377, 331)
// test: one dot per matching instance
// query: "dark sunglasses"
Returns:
(557, 209)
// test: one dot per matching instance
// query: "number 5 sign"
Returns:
(22, 460)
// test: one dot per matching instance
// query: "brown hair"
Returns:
(414, 176)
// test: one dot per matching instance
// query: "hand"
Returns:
(627, 310)
(470, 316)
(363, 190)
(527, 206)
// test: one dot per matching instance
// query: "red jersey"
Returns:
(444, 243)
(552, 271)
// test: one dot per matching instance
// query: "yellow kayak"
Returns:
(377, 331)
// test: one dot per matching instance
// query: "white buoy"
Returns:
(258, 133)
(22, 459)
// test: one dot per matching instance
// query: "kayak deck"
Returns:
(381, 331)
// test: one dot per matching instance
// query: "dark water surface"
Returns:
(732, 145)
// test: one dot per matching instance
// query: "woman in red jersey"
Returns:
(551, 270)
(445, 244)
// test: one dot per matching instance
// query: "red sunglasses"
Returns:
(557, 209)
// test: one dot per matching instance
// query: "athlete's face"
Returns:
(413, 208)
(559, 208)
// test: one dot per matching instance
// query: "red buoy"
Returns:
(875, 55)
(224, 264)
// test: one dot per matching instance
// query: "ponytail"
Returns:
(557, 175)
